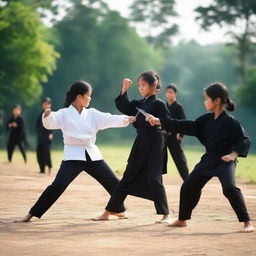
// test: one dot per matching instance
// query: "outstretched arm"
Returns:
(107, 120)
(175, 126)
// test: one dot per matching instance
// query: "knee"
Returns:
(230, 190)
(186, 187)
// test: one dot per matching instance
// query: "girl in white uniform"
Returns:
(79, 126)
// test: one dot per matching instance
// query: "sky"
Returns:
(189, 28)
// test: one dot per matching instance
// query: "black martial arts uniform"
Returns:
(220, 137)
(68, 171)
(143, 173)
(176, 112)
(43, 145)
(16, 137)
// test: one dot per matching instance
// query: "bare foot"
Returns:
(49, 171)
(178, 223)
(248, 227)
(27, 218)
(165, 219)
(106, 214)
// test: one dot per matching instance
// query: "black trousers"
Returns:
(44, 156)
(153, 183)
(177, 154)
(11, 146)
(68, 171)
(191, 191)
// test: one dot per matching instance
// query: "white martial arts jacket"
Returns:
(80, 129)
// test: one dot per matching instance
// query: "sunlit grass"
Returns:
(116, 156)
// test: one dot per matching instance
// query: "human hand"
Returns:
(153, 120)
(230, 157)
(47, 112)
(127, 83)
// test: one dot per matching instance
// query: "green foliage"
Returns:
(26, 58)
(192, 67)
(155, 15)
(100, 47)
(247, 91)
(235, 14)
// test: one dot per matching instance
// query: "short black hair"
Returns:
(172, 87)
(16, 106)
(46, 99)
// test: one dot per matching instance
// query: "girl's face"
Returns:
(46, 105)
(146, 90)
(210, 104)
(85, 99)
(170, 94)
(16, 111)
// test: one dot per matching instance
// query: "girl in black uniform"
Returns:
(44, 140)
(224, 140)
(17, 135)
(143, 174)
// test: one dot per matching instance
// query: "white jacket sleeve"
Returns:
(107, 120)
(52, 121)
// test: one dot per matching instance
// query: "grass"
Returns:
(116, 156)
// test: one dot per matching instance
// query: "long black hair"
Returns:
(151, 77)
(219, 90)
(77, 88)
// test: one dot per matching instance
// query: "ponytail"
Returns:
(77, 88)
(68, 100)
(230, 105)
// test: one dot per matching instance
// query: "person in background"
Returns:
(44, 140)
(17, 134)
(174, 140)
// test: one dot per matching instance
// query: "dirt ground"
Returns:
(66, 228)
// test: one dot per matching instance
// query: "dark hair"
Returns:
(46, 99)
(219, 90)
(151, 77)
(16, 106)
(172, 87)
(77, 88)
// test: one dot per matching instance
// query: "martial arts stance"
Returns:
(143, 173)
(224, 140)
(17, 134)
(173, 141)
(44, 140)
(79, 126)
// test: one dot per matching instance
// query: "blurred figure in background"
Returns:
(44, 139)
(174, 140)
(17, 135)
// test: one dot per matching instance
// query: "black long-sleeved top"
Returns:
(151, 105)
(220, 137)
(176, 110)
(42, 133)
(16, 133)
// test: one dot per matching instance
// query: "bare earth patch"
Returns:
(66, 229)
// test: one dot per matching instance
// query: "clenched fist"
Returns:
(47, 112)
(127, 83)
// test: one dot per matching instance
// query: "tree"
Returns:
(26, 57)
(247, 92)
(235, 14)
(101, 48)
(156, 15)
